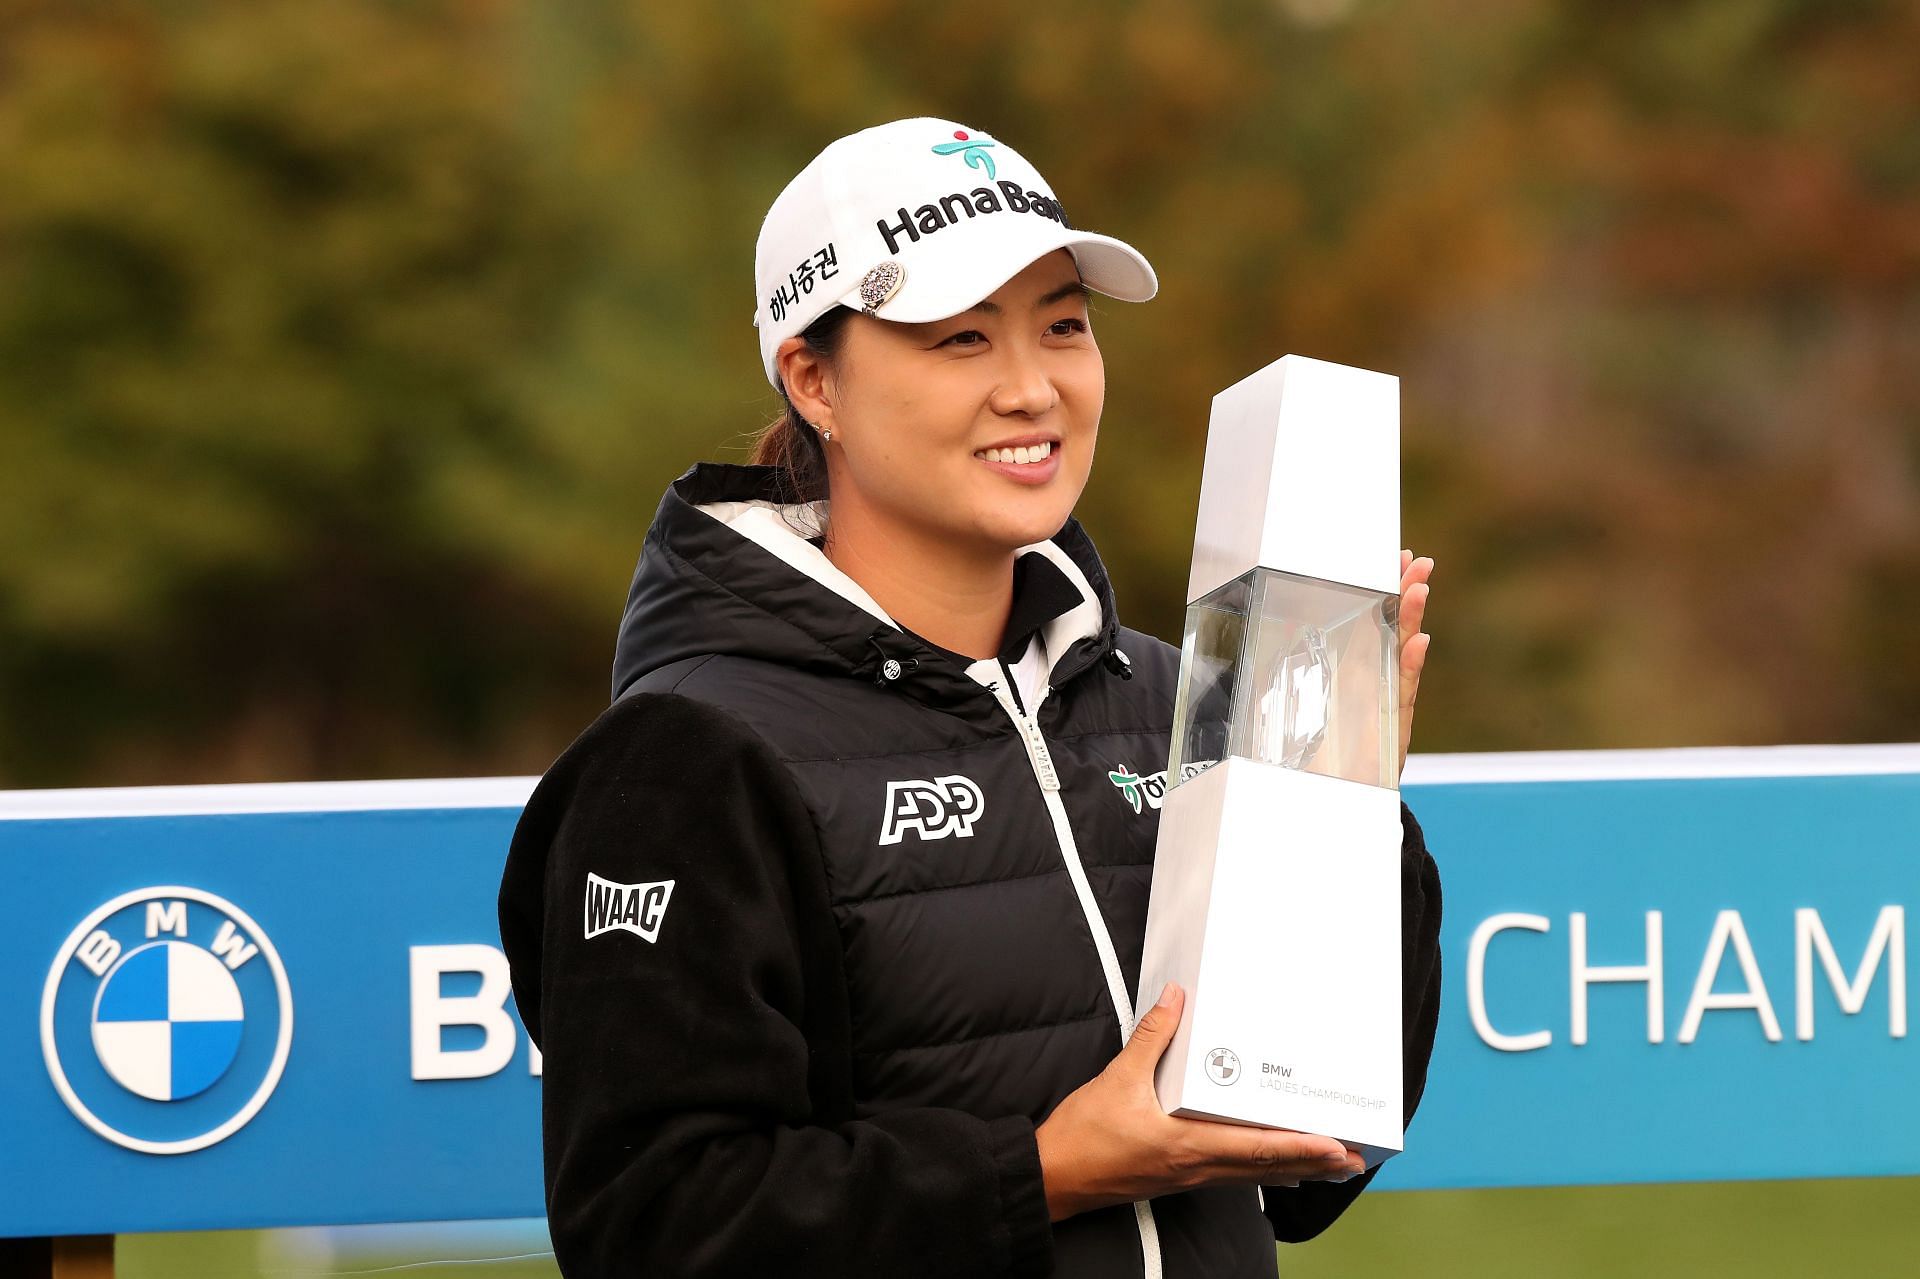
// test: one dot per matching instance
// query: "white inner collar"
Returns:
(783, 529)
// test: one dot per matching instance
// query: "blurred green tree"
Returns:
(344, 352)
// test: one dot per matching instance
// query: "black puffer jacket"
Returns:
(813, 927)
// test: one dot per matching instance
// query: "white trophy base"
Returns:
(1276, 905)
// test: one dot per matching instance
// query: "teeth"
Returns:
(1030, 453)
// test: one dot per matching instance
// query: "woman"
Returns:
(827, 927)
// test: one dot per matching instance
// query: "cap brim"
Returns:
(937, 285)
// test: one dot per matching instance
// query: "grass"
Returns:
(1863, 1227)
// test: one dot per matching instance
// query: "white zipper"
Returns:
(1042, 760)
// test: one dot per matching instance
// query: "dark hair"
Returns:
(789, 441)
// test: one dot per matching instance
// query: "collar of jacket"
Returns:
(726, 568)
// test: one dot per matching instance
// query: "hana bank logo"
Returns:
(971, 149)
(1151, 787)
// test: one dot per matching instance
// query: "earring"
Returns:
(826, 436)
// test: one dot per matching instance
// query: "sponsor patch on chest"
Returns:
(1148, 790)
(932, 810)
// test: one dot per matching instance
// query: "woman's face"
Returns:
(929, 420)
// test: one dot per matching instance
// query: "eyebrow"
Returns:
(1066, 290)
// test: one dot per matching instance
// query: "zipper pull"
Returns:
(1042, 757)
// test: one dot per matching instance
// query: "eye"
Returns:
(966, 337)
(1067, 327)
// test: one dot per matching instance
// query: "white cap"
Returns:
(914, 221)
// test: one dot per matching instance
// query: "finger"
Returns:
(1346, 1172)
(1271, 1151)
(1413, 609)
(1414, 570)
(1152, 1033)
(1413, 656)
(1265, 1172)
(1413, 660)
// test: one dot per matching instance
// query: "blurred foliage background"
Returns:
(345, 349)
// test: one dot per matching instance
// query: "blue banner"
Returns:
(256, 1006)
(405, 1090)
(1672, 979)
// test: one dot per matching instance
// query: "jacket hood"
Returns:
(726, 568)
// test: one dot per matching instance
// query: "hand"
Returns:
(1110, 1142)
(1413, 641)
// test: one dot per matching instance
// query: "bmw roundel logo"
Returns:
(166, 1020)
(1223, 1067)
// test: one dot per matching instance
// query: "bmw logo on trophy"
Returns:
(1276, 882)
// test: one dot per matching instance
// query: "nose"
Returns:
(1025, 385)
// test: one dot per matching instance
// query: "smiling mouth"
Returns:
(1025, 455)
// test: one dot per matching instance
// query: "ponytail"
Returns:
(791, 445)
(789, 442)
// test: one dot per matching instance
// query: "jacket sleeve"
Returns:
(1301, 1213)
(696, 1116)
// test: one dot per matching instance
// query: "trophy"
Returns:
(1276, 879)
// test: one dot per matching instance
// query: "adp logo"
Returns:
(933, 810)
(166, 1020)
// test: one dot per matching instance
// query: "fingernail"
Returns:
(1166, 995)
(1341, 1155)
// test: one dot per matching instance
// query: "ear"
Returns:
(808, 381)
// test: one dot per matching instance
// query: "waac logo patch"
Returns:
(932, 810)
(632, 908)
(166, 1020)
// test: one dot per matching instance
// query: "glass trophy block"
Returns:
(1293, 671)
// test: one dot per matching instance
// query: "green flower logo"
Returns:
(972, 150)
